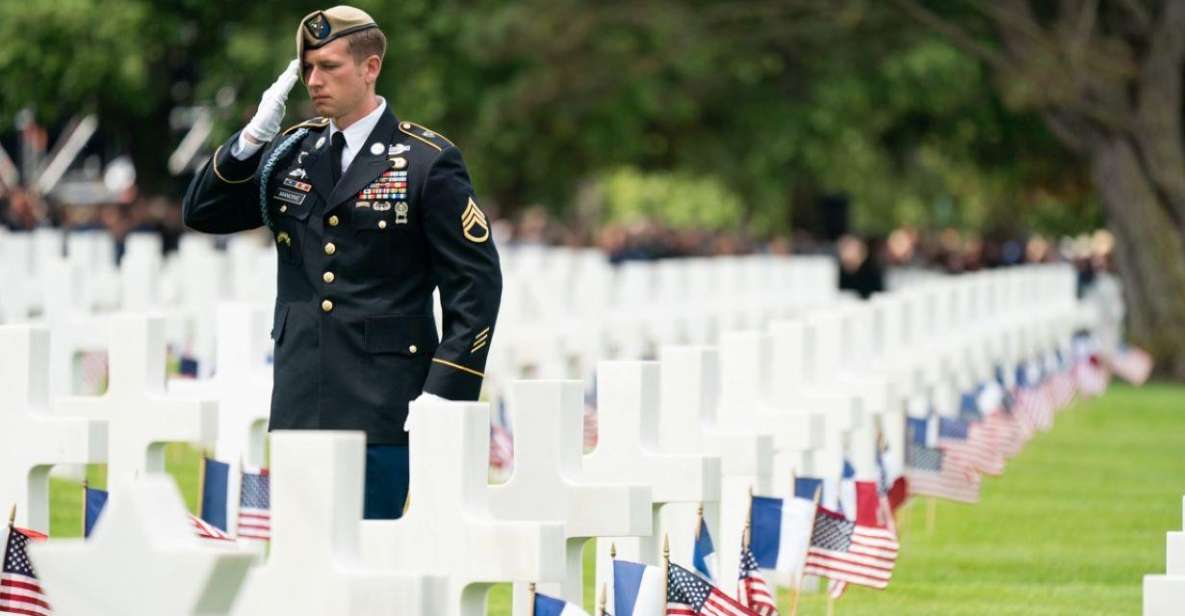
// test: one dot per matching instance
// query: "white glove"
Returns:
(266, 124)
(423, 397)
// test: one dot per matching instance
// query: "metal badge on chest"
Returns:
(389, 190)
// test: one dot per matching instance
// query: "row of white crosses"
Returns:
(65, 280)
(1165, 594)
(563, 310)
(703, 425)
(439, 559)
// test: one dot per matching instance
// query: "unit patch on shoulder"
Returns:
(474, 224)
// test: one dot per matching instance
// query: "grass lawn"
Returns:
(1072, 527)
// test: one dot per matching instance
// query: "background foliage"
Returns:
(772, 104)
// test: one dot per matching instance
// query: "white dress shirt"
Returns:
(356, 136)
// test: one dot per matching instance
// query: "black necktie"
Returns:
(339, 144)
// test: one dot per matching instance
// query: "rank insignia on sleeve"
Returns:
(474, 224)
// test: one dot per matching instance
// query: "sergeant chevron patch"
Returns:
(472, 218)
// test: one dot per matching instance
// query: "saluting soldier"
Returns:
(369, 214)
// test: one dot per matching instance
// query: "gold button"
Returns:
(412, 349)
(333, 220)
(405, 125)
(330, 248)
(328, 277)
(283, 208)
(326, 306)
(382, 224)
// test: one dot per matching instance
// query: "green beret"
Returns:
(323, 27)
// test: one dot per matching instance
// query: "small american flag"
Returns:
(205, 530)
(255, 506)
(969, 441)
(689, 595)
(501, 440)
(590, 415)
(1090, 377)
(1027, 410)
(20, 591)
(863, 552)
(753, 591)
(1131, 364)
(96, 501)
(933, 472)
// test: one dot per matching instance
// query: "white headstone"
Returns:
(691, 421)
(140, 417)
(242, 387)
(1165, 594)
(549, 485)
(31, 440)
(448, 528)
(141, 558)
(627, 450)
(315, 566)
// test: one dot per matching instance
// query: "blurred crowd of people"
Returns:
(24, 211)
(863, 260)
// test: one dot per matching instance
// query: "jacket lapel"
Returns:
(367, 165)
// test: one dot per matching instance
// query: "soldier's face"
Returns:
(337, 84)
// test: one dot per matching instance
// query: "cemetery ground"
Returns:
(1077, 520)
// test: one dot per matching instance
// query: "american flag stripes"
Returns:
(1002, 433)
(501, 440)
(205, 530)
(97, 500)
(689, 595)
(590, 416)
(933, 472)
(831, 555)
(255, 515)
(20, 591)
(968, 441)
(863, 552)
(1131, 364)
(753, 591)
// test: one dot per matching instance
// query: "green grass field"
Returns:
(1071, 528)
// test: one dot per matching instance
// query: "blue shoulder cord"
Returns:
(264, 175)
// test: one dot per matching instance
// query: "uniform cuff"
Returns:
(453, 381)
(231, 169)
(244, 149)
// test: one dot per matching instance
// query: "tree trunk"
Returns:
(1150, 249)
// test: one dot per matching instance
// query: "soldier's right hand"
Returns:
(266, 124)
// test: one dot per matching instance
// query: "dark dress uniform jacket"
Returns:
(355, 338)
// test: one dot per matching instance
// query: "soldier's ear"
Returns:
(371, 69)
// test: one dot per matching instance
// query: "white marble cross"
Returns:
(795, 387)
(692, 420)
(139, 271)
(878, 392)
(315, 565)
(31, 440)
(448, 528)
(140, 417)
(242, 387)
(142, 558)
(16, 250)
(628, 450)
(548, 484)
(1165, 594)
